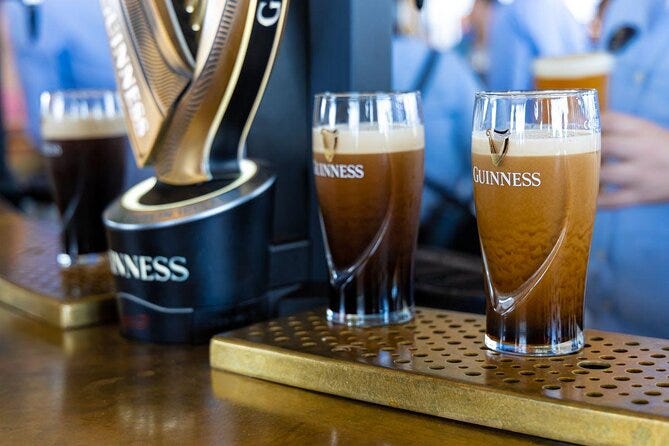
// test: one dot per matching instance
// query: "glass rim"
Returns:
(537, 94)
(83, 93)
(79, 95)
(353, 95)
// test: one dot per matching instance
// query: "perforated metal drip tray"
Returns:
(616, 391)
(32, 281)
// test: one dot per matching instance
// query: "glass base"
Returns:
(563, 348)
(67, 261)
(370, 320)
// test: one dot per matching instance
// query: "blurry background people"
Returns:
(68, 49)
(596, 23)
(427, 62)
(63, 46)
(474, 45)
(628, 283)
(523, 30)
(12, 114)
(408, 18)
(442, 22)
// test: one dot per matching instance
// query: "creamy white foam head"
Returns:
(541, 143)
(574, 66)
(82, 128)
(373, 139)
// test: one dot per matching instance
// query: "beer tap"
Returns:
(191, 74)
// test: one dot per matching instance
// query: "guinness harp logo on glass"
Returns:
(330, 140)
(497, 138)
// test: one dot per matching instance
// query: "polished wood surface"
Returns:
(91, 386)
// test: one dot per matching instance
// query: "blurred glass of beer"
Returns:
(85, 143)
(588, 70)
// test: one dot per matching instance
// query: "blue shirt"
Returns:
(448, 102)
(524, 30)
(628, 277)
(71, 51)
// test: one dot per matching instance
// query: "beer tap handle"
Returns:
(171, 40)
(189, 6)
(190, 117)
(237, 48)
(197, 15)
(143, 115)
(164, 63)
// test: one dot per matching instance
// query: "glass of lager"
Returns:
(587, 70)
(535, 167)
(84, 144)
(368, 166)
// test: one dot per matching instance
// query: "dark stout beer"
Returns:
(86, 163)
(369, 190)
(535, 214)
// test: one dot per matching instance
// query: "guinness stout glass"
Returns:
(84, 145)
(535, 167)
(368, 166)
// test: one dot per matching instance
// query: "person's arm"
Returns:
(12, 93)
(635, 161)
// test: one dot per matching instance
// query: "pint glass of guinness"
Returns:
(535, 167)
(84, 145)
(368, 165)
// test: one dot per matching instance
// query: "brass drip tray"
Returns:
(615, 391)
(32, 281)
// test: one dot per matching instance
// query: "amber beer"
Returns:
(588, 70)
(369, 185)
(535, 214)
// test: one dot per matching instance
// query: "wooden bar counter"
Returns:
(92, 386)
